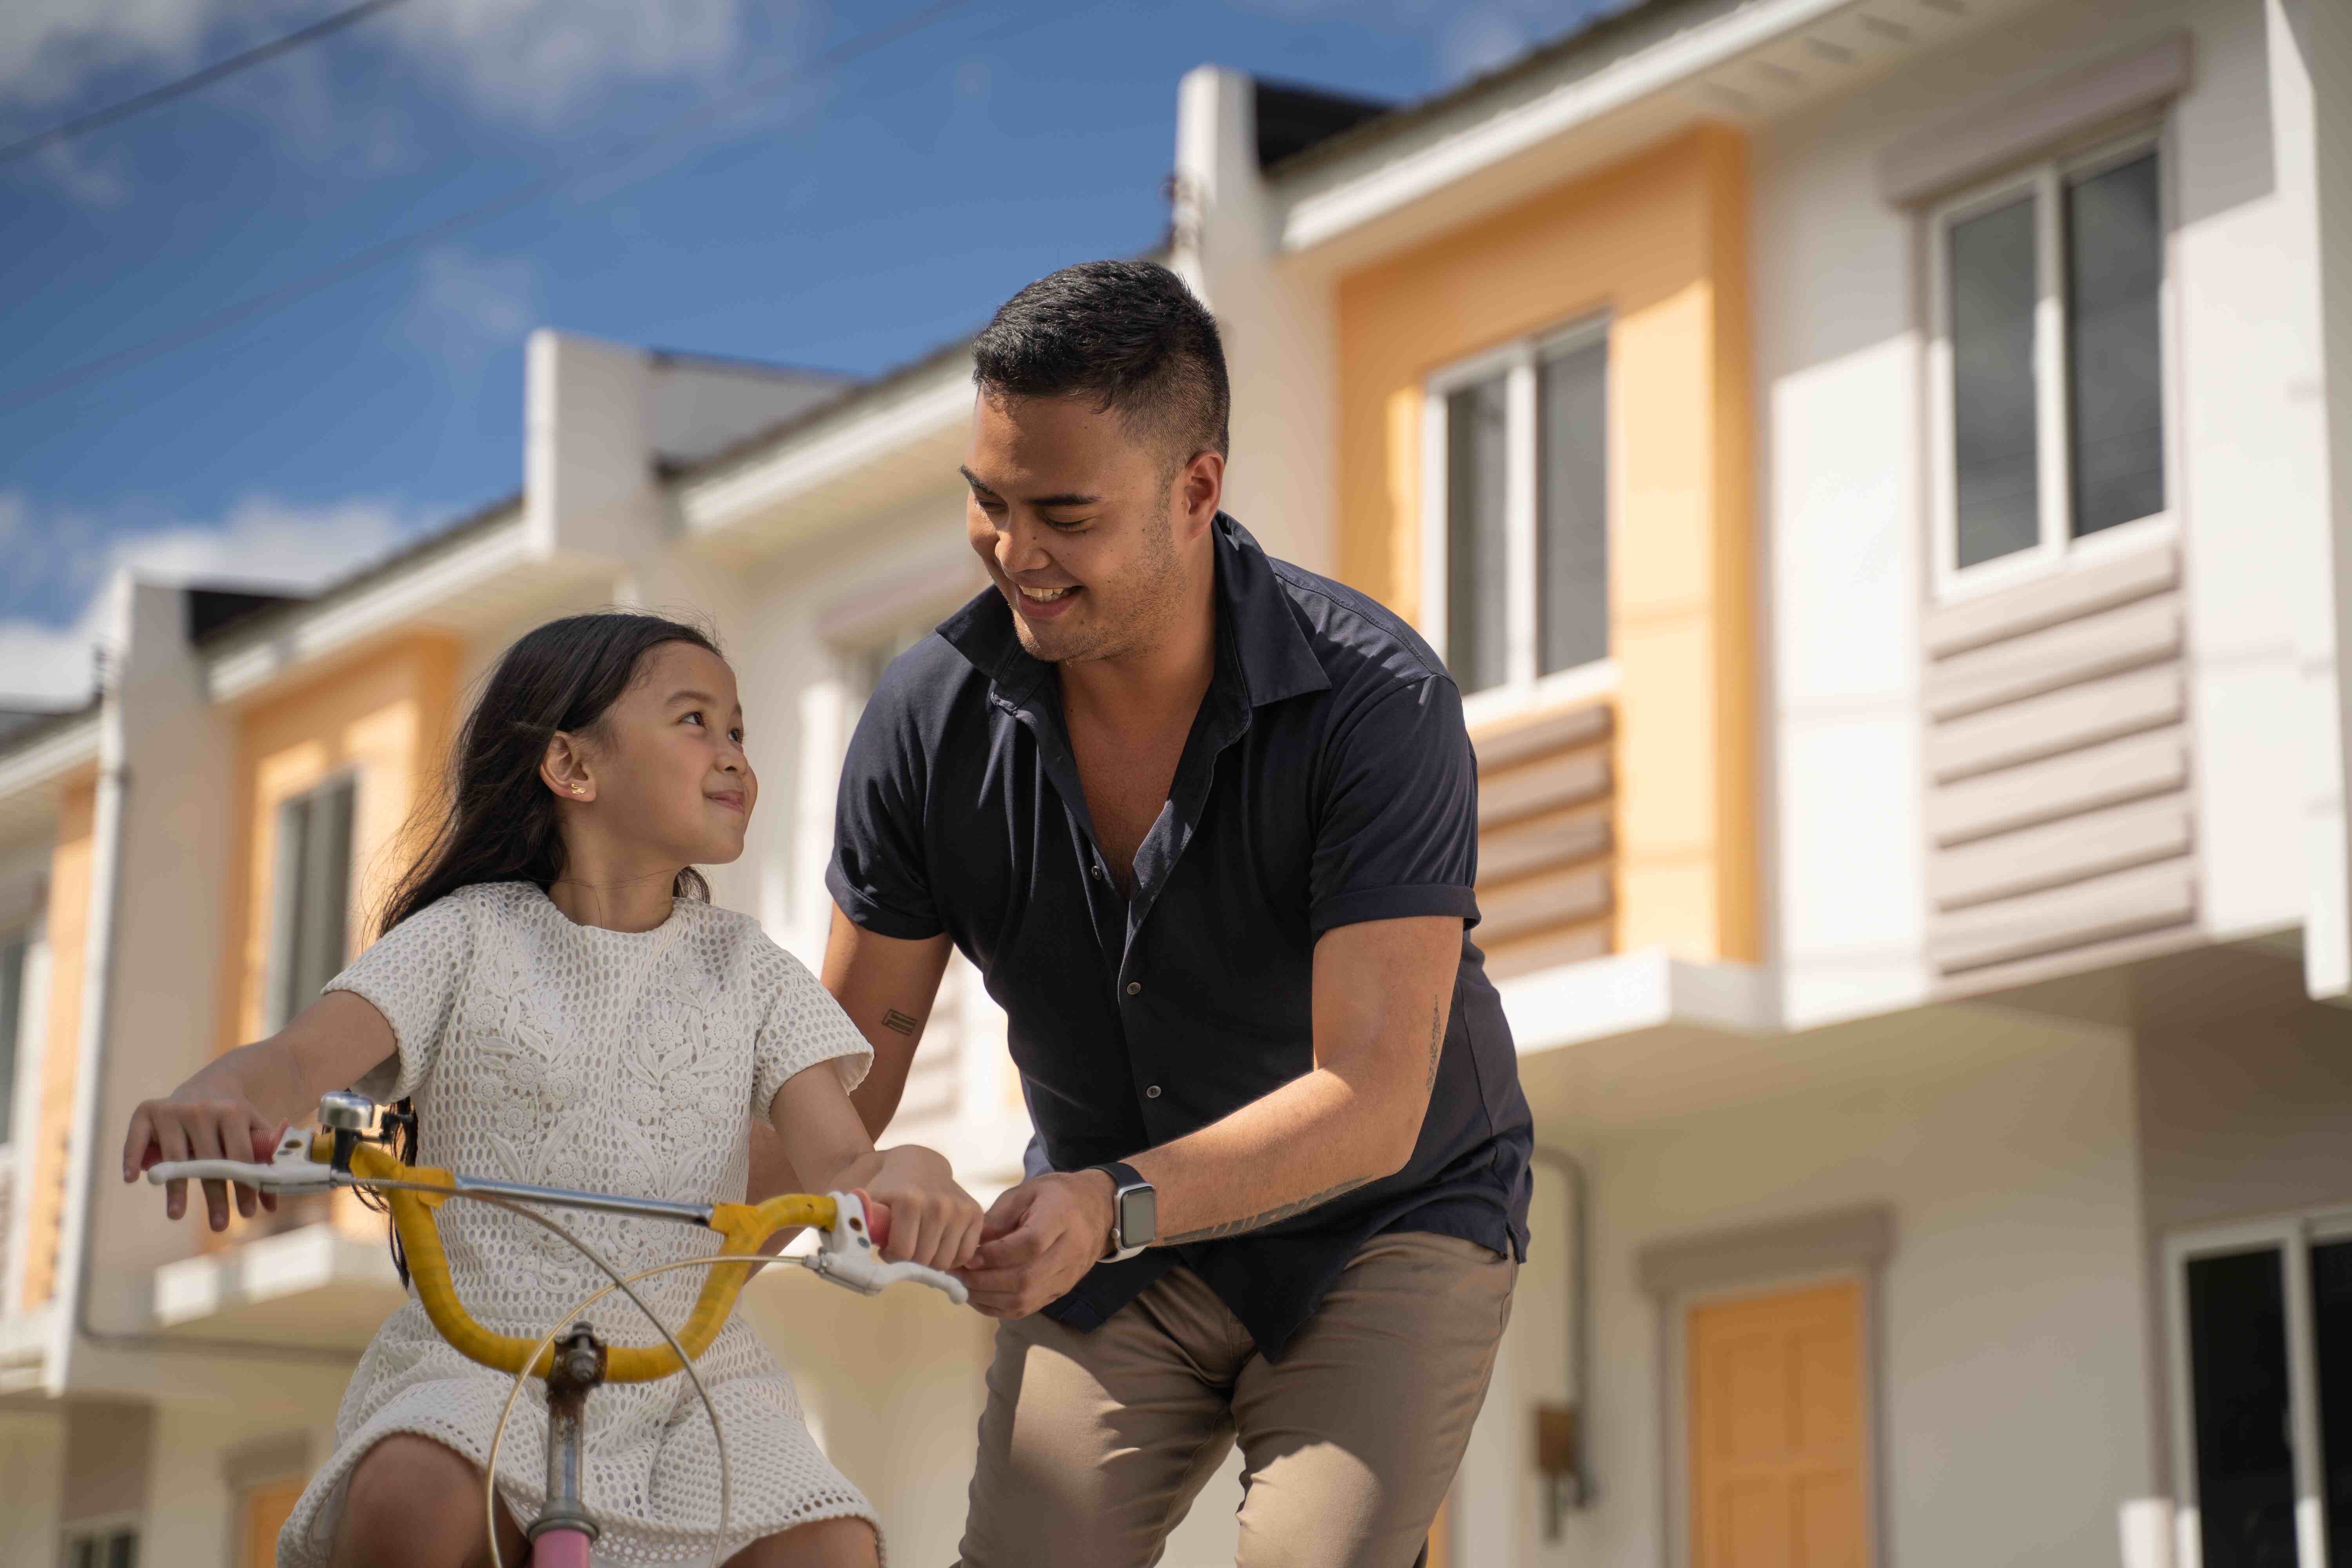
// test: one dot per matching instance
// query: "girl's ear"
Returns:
(565, 770)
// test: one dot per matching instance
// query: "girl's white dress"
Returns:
(567, 1056)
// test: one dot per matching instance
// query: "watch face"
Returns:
(1139, 1216)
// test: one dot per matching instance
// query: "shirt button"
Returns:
(1152, 1093)
(1135, 988)
(1095, 871)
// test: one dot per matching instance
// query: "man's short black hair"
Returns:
(1126, 333)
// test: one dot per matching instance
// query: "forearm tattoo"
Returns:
(899, 1022)
(1236, 1226)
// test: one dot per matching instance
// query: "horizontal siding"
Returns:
(1546, 882)
(2058, 811)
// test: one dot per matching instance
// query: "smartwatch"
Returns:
(1134, 1211)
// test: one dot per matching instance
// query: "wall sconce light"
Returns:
(1560, 1457)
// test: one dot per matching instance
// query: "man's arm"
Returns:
(887, 986)
(1381, 992)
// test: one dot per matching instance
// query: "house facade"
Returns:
(1881, 471)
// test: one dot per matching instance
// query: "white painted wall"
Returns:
(32, 1481)
(163, 795)
(1837, 371)
(1278, 323)
(192, 1512)
(2013, 1386)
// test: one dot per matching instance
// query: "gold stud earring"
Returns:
(576, 789)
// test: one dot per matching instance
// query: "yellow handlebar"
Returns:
(744, 1226)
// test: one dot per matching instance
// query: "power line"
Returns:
(97, 118)
(369, 257)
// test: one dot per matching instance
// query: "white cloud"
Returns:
(464, 306)
(534, 62)
(263, 542)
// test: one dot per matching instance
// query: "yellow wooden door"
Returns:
(1778, 1478)
(262, 1512)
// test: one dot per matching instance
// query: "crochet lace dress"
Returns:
(569, 1056)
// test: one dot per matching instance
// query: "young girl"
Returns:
(565, 1007)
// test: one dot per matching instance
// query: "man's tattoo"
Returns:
(1436, 1042)
(1235, 1226)
(897, 1023)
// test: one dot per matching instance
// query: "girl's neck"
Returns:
(615, 897)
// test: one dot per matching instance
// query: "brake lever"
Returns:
(847, 1256)
(289, 1170)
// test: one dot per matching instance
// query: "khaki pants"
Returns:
(1094, 1445)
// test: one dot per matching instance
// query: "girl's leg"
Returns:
(413, 1503)
(827, 1543)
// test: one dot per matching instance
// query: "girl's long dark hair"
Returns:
(494, 821)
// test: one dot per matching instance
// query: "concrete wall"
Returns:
(1277, 321)
(2012, 1382)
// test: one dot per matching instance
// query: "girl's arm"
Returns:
(933, 1221)
(235, 1107)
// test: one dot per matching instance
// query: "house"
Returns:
(1877, 470)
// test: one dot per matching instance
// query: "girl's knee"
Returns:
(827, 1543)
(411, 1499)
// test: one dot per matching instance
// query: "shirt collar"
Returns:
(1256, 630)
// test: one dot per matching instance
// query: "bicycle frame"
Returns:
(342, 1155)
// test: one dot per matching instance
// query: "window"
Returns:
(102, 1548)
(1517, 453)
(312, 902)
(13, 950)
(2262, 1346)
(2048, 361)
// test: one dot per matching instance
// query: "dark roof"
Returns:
(898, 376)
(213, 610)
(21, 727)
(745, 366)
(1597, 30)
(1293, 117)
(260, 616)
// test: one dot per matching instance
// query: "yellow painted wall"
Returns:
(387, 719)
(68, 938)
(1658, 242)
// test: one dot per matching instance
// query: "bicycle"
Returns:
(570, 1357)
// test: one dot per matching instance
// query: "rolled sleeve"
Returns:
(876, 873)
(1398, 828)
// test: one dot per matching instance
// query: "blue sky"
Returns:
(843, 214)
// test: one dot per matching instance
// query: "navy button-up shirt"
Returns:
(1327, 780)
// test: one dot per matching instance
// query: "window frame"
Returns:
(275, 1012)
(1522, 690)
(102, 1530)
(2291, 1236)
(2057, 549)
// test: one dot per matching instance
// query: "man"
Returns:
(1207, 824)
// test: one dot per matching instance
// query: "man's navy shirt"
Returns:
(1327, 780)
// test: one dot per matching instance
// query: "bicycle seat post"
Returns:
(560, 1535)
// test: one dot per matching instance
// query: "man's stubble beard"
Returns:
(1148, 606)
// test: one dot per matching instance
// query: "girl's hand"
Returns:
(197, 1122)
(930, 1219)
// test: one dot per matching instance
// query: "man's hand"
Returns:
(1038, 1240)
